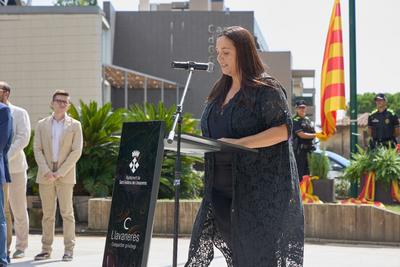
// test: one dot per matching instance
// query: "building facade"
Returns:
(47, 48)
(150, 40)
(105, 55)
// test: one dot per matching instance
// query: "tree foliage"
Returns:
(66, 3)
(366, 103)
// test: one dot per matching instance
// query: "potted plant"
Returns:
(360, 165)
(101, 127)
(323, 187)
(386, 163)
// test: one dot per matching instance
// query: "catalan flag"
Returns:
(332, 75)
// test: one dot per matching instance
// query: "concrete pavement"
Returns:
(89, 253)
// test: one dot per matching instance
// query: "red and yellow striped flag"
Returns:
(332, 75)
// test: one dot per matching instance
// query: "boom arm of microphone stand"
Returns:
(178, 113)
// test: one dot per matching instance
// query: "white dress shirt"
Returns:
(57, 131)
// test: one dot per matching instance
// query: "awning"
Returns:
(123, 78)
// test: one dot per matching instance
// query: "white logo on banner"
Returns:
(126, 220)
(134, 165)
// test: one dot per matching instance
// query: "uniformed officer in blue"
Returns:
(383, 124)
(303, 137)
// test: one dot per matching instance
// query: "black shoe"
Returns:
(42, 256)
(8, 259)
(67, 256)
(18, 254)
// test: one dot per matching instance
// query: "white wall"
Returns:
(40, 53)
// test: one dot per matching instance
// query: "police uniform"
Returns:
(302, 147)
(382, 125)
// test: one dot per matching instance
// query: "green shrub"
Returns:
(152, 112)
(386, 164)
(101, 129)
(32, 186)
(360, 163)
(318, 164)
(342, 188)
(191, 180)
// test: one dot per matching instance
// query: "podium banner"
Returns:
(134, 194)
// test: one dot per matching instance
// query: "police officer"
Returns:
(383, 124)
(303, 137)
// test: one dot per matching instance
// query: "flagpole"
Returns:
(353, 86)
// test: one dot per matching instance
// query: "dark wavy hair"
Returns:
(250, 66)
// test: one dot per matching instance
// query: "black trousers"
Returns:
(221, 202)
(388, 143)
(302, 163)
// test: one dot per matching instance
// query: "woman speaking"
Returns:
(251, 210)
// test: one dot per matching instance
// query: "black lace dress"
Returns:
(267, 222)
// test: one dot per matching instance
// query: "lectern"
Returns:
(136, 188)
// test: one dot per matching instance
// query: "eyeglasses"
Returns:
(61, 102)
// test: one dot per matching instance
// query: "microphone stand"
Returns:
(177, 181)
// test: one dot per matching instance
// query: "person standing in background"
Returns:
(5, 143)
(383, 124)
(57, 147)
(18, 167)
(303, 138)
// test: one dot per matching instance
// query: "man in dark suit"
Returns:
(5, 143)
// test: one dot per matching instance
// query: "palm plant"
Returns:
(360, 164)
(32, 186)
(101, 128)
(386, 163)
(150, 111)
(191, 183)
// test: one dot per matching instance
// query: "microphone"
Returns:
(186, 65)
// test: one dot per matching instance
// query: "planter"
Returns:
(382, 191)
(99, 214)
(351, 222)
(324, 189)
(321, 221)
(34, 212)
(81, 206)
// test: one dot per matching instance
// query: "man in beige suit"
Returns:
(57, 147)
(18, 167)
